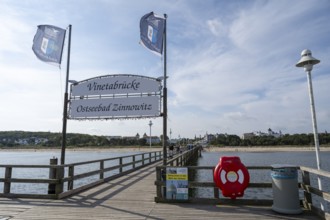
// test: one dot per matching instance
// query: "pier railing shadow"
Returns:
(312, 196)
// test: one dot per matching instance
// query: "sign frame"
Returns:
(120, 96)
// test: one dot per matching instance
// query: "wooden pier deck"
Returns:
(128, 197)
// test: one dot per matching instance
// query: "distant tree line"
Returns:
(287, 139)
(49, 139)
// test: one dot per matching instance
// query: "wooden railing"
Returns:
(68, 179)
(311, 191)
(65, 180)
(193, 184)
(185, 158)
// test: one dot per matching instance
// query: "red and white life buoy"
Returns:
(231, 176)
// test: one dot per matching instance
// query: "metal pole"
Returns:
(316, 137)
(170, 135)
(65, 109)
(165, 101)
(307, 61)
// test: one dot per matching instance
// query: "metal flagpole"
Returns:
(65, 110)
(165, 101)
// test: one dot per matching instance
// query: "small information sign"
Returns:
(177, 183)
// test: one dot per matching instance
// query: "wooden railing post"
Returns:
(142, 159)
(52, 175)
(101, 169)
(70, 174)
(121, 165)
(59, 177)
(158, 179)
(7, 184)
(149, 157)
(307, 195)
(133, 160)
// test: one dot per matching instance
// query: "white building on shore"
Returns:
(261, 134)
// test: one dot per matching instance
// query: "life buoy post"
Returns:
(231, 176)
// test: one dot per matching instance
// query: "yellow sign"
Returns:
(176, 176)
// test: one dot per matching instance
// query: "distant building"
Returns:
(24, 141)
(136, 137)
(261, 134)
(40, 140)
(153, 139)
(248, 135)
(31, 141)
(274, 134)
(113, 138)
(208, 138)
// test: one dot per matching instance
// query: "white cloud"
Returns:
(216, 27)
(12, 28)
(253, 76)
(230, 65)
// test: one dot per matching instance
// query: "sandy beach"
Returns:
(265, 149)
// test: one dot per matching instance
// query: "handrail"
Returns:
(64, 180)
(65, 174)
(185, 157)
(304, 185)
(309, 191)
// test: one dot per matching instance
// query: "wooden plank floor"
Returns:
(129, 197)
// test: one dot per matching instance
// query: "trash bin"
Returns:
(285, 189)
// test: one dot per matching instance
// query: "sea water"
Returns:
(31, 157)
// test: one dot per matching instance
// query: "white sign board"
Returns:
(115, 107)
(116, 84)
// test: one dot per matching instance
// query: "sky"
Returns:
(231, 64)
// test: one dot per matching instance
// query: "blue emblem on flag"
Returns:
(152, 34)
(152, 31)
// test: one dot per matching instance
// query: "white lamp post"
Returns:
(170, 135)
(307, 61)
(150, 124)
